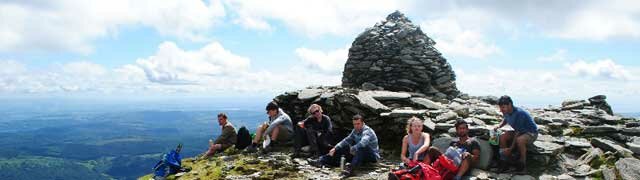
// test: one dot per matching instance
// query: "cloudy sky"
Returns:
(540, 53)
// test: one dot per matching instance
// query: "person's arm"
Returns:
(346, 140)
(424, 147)
(403, 153)
(502, 123)
(328, 126)
(367, 137)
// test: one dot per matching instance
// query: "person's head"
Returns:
(358, 122)
(462, 128)
(272, 109)
(179, 148)
(414, 124)
(506, 104)
(315, 110)
(432, 154)
(222, 119)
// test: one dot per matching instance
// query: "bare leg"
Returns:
(506, 139)
(274, 133)
(259, 132)
(464, 167)
(521, 142)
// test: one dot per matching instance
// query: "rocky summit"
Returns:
(396, 55)
(393, 73)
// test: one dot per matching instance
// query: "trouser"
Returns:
(362, 155)
(319, 142)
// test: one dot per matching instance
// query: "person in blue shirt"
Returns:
(524, 134)
(361, 146)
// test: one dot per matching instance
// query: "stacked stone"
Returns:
(573, 129)
(396, 55)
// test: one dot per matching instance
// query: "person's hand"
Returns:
(301, 124)
(466, 155)
(507, 151)
(415, 157)
(332, 151)
(406, 160)
(352, 150)
(495, 128)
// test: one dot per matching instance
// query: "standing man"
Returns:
(524, 134)
(361, 146)
(225, 140)
(315, 132)
(279, 128)
(470, 147)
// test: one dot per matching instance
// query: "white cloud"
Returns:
(172, 65)
(606, 69)
(558, 55)
(331, 62)
(544, 87)
(455, 40)
(600, 20)
(312, 18)
(73, 25)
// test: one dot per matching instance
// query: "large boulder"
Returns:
(396, 55)
(609, 145)
(600, 102)
(629, 168)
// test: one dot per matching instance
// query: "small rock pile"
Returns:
(396, 55)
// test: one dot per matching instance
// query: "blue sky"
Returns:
(540, 53)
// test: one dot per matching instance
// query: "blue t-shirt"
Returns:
(521, 121)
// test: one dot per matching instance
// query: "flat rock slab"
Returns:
(548, 148)
(608, 145)
(369, 102)
(427, 103)
(307, 94)
(405, 113)
(387, 95)
(629, 168)
(600, 129)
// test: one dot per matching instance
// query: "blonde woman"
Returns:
(416, 142)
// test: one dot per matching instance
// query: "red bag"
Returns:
(445, 167)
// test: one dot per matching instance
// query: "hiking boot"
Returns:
(315, 163)
(521, 169)
(347, 171)
(392, 176)
(306, 148)
(251, 149)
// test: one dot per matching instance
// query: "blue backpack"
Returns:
(170, 164)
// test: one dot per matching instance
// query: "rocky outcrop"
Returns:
(396, 55)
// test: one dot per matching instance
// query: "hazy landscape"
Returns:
(69, 139)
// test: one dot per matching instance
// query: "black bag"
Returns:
(244, 138)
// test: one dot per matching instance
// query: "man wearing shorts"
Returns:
(524, 134)
(279, 128)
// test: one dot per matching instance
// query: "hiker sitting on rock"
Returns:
(225, 140)
(526, 132)
(415, 143)
(316, 132)
(278, 129)
(361, 146)
(465, 152)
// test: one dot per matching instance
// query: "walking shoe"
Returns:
(315, 163)
(251, 149)
(306, 148)
(347, 171)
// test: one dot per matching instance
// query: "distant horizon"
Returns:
(247, 102)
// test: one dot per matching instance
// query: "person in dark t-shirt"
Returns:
(468, 146)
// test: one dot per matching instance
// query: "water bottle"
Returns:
(210, 142)
(342, 162)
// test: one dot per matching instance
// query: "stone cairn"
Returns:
(396, 55)
(394, 73)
